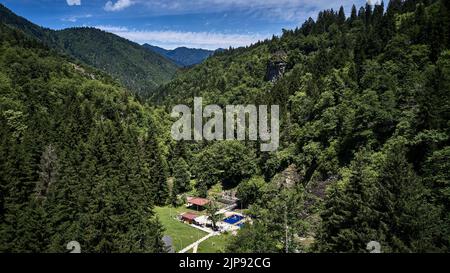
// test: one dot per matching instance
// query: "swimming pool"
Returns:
(233, 219)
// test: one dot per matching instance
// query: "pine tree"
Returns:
(157, 177)
(421, 25)
(437, 179)
(341, 16)
(378, 14)
(394, 8)
(349, 220)
(368, 14)
(182, 176)
(353, 16)
(408, 222)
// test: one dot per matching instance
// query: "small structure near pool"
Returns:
(202, 221)
(230, 221)
(198, 202)
(188, 217)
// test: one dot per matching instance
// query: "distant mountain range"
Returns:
(137, 68)
(182, 56)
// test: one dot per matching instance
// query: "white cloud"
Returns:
(290, 10)
(119, 5)
(75, 18)
(73, 2)
(173, 39)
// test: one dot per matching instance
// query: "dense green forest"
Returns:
(79, 156)
(364, 139)
(137, 68)
(365, 129)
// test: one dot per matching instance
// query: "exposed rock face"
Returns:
(318, 188)
(82, 71)
(289, 177)
(276, 66)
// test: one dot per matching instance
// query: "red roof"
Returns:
(198, 201)
(189, 215)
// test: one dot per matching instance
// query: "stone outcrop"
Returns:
(289, 177)
(276, 66)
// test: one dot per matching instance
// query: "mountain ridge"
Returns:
(137, 68)
(182, 56)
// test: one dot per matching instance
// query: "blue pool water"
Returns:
(233, 219)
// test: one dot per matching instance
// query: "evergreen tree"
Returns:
(341, 16)
(349, 219)
(353, 16)
(182, 177)
(157, 176)
(437, 179)
(408, 222)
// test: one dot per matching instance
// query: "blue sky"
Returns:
(207, 24)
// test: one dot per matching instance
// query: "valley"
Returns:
(87, 154)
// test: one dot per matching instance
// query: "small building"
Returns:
(188, 217)
(198, 202)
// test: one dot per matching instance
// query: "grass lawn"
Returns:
(214, 244)
(182, 234)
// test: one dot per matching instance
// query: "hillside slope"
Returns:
(79, 156)
(135, 67)
(365, 112)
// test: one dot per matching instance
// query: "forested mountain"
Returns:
(79, 156)
(365, 106)
(135, 67)
(364, 137)
(182, 56)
